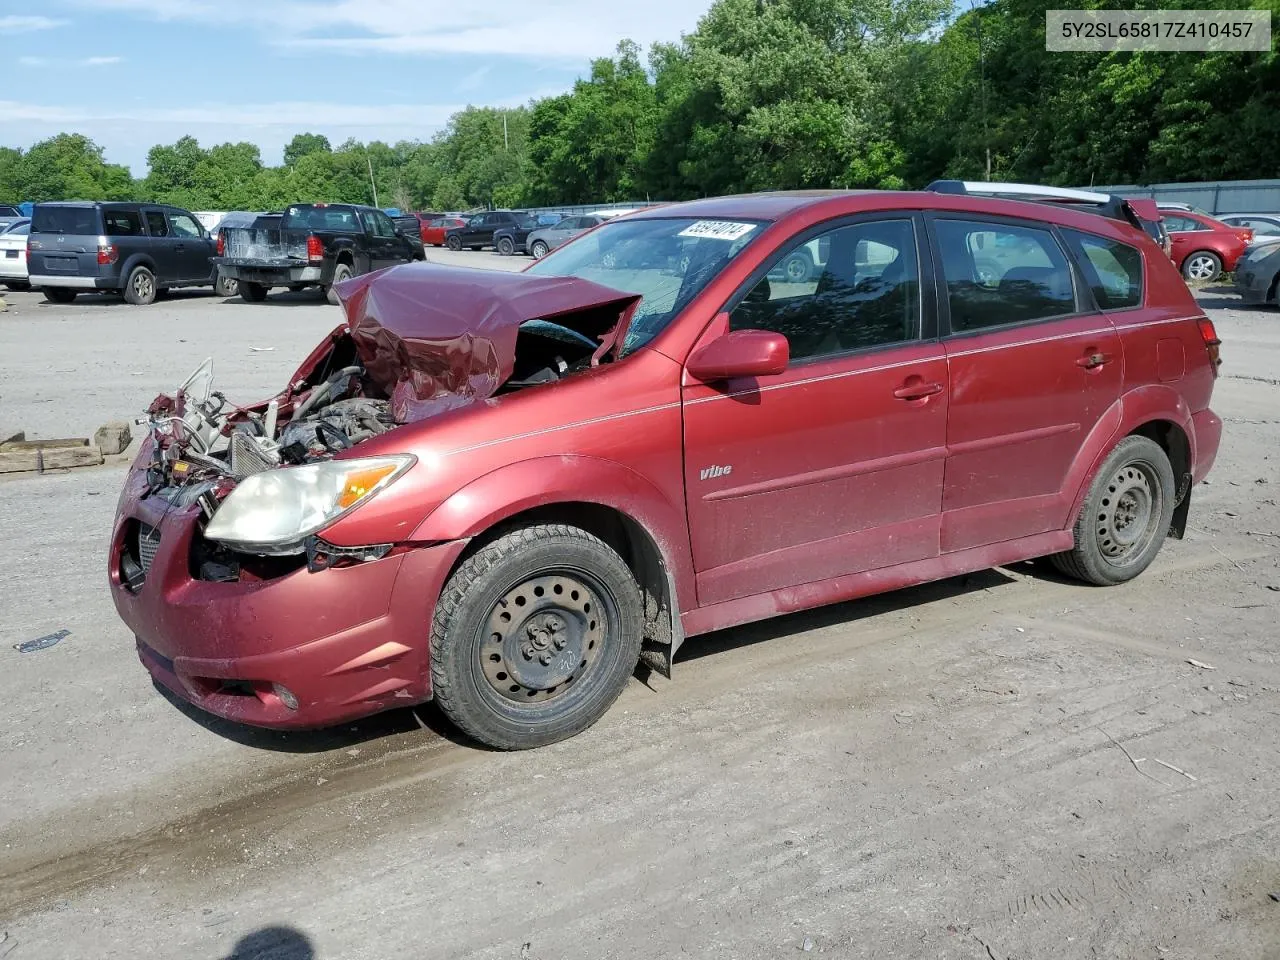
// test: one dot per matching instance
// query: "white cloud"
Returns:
(552, 29)
(27, 24)
(86, 62)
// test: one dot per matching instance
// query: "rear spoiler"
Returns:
(1131, 210)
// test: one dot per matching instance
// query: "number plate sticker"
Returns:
(718, 230)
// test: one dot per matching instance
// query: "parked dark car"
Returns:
(1257, 275)
(313, 245)
(547, 238)
(479, 229)
(514, 237)
(502, 490)
(140, 250)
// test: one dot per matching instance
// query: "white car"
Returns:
(13, 256)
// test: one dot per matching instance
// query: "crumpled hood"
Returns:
(436, 338)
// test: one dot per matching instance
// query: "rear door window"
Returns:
(1177, 224)
(183, 225)
(1113, 269)
(380, 224)
(999, 274)
(122, 223)
(75, 221)
(157, 225)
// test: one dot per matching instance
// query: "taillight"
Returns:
(107, 252)
(222, 245)
(1211, 342)
(315, 249)
(1245, 235)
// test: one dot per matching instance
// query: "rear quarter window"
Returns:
(76, 221)
(1113, 269)
(122, 223)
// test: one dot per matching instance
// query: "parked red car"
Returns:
(502, 490)
(433, 232)
(1204, 248)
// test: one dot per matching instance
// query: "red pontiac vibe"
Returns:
(500, 491)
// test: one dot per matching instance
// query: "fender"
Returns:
(1150, 402)
(547, 481)
(138, 260)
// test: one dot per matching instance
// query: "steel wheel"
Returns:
(544, 635)
(1202, 267)
(1124, 519)
(1128, 513)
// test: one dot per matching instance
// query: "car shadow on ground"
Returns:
(848, 613)
(310, 297)
(428, 719)
(273, 943)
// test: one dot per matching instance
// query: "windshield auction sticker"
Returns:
(717, 230)
(1158, 30)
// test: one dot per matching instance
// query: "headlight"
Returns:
(274, 511)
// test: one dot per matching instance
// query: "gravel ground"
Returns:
(1001, 766)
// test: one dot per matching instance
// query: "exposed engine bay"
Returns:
(411, 349)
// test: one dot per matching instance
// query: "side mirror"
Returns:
(741, 353)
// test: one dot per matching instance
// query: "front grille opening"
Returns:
(138, 553)
(215, 563)
(222, 687)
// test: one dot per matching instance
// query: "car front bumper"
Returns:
(346, 642)
(1252, 287)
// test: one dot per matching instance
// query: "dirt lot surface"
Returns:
(1001, 766)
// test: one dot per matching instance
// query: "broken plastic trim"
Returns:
(322, 555)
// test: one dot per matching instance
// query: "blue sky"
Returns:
(133, 73)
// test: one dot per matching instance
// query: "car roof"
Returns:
(773, 205)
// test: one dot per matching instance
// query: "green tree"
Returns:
(304, 144)
(70, 167)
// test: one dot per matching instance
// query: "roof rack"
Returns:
(1130, 211)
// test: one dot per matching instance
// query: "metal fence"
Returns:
(1218, 197)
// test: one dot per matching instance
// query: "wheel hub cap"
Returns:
(541, 637)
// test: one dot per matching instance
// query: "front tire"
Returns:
(1125, 517)
(251, 292)
(340, 273)
(1202, 267)
(140, 288)
(539, 249)
(59, 294)
(534, 637)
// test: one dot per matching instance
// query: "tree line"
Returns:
(764, 94)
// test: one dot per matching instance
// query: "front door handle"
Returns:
(1093, 360)
(917, 389)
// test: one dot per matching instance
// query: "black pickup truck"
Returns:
(314, 245)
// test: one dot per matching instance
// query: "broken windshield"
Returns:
(667, 262)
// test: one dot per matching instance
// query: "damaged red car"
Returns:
(502, 491)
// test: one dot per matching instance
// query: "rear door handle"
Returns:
(1094, 360)
(917, 390)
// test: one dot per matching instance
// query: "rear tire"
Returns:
(59, 294)
(1125, 517)
(539, 249)
(251, 292)
(226, 286)
(534, 637)
(297, 287)
(140, 288)
(341, 272)
(1202, 267)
